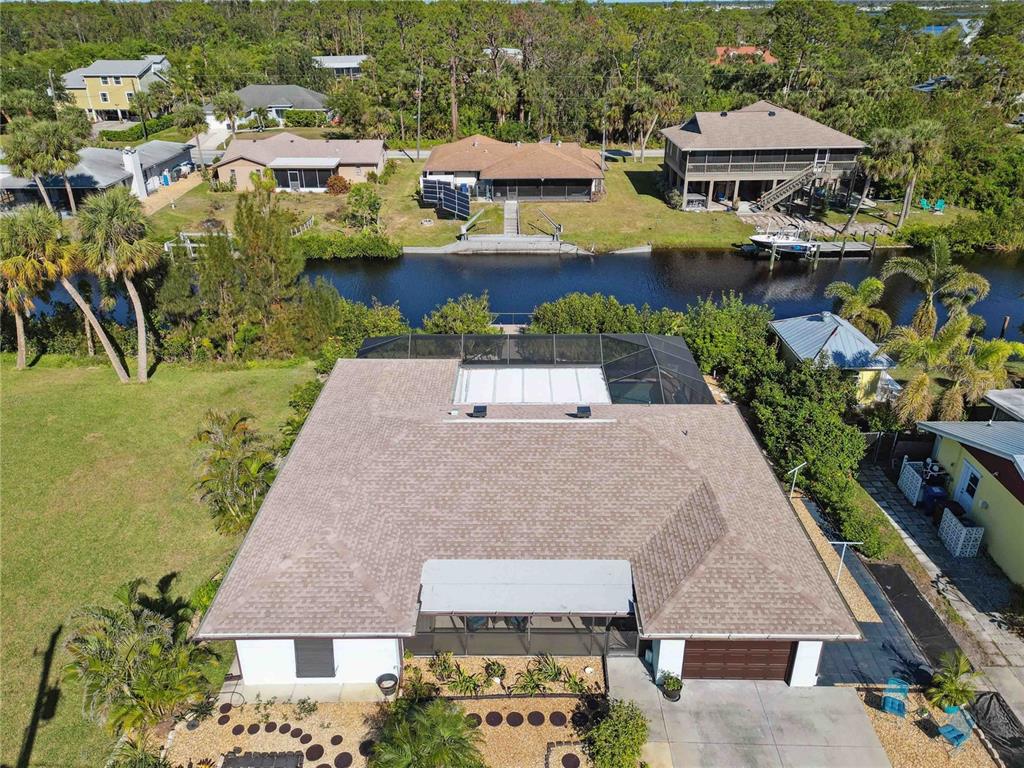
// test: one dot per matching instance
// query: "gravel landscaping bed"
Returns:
(515, 665)
(913, 742)
(521, 732)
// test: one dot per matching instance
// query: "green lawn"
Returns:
(96, 481)
(168, 134)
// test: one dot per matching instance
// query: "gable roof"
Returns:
(494, 159)
(312, 153)
(725, 52)
(383, 478)
(760, 125)
(75, 79)
(1009, 400)
(831, 339)
(121, 67)
(340, 62)
(290, 96)
(1001, 438)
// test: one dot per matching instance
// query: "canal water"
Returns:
(517, 283)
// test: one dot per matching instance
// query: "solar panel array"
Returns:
(455, 201)
(432, 191)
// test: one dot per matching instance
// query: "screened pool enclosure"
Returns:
(638, 368)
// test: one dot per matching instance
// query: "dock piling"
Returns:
(771, 262)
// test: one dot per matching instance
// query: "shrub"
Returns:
(390, 168)
(671, 682)
(953, 684)
(675, 199)
(574, 683)
(466, 314)
(338, 185)
(596, 313)
(548, 667)
(135, 133)
(431, 734)
(357, 323)
(494, 669)
(617, 740)
(336, 245)
(415, 688)
(443, 667)
(301, 402)
(305, 707)
(529, 683)
(363, 205)
(304, 118)
(466, 683)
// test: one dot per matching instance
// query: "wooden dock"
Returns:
(841, 248)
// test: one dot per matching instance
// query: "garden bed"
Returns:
(515, 666)
(913, 742)
(530, 733)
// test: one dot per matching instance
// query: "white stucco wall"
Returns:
(668, 657)
(356, 660)
(805, 665)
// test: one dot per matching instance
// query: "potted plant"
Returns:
(953, 685)
(671, 686)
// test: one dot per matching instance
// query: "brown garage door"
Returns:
(737, 660)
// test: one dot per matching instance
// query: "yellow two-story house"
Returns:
(105, 89)
(985, 465)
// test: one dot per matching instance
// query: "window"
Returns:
(234, 180)
(314, 657)
(104, 81)
(359, 170)
(129, 95)
(104, 97)
(117, 81)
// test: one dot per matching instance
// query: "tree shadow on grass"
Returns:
(45, 706)
(645, 182)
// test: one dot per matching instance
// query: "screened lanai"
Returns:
(637, 368)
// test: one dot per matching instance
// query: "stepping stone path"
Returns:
(473, 719)
(344, 760)
(535, 718)
(336, 739)
(270, 727)
(223, 720)
(493, 719)
(514, 719)
(253, 728)
(315, 752)
(557, 719)
(284, 728)
(238, 730)
(570, 761)
(306, 738)
(225, 708)
(366, 748)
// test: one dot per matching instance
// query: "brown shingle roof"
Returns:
(761, 125)
(382, 479)
(494, 159)
(285, 145)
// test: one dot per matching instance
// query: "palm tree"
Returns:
(145, 105)
(858, 305)
(25, 155)
(192, 120)
(974, 371)
(937, 276)
(235, 469)
(923, 140)
(228, 106)
(60, 142)
(432, 735)
(883, 159)
(262, 115)
(916, 400)
(38, 234)
(113, 231)
(22, 278)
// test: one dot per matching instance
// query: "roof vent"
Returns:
(723, 114)
(582, 411)
(771, 113)
(479, 412)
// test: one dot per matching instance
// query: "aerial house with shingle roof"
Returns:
(760, 153)
(489, 169)
(451, 493)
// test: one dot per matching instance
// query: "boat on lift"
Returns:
(784, 241)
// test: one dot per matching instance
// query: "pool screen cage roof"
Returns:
(638, 367)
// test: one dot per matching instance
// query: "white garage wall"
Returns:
(272, 662)
(805, 664)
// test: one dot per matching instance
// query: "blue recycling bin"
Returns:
(933, 496)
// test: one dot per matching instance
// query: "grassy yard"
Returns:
(96, 482)
(168, 134)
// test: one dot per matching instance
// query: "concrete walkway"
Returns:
(975, 587)
(731, 724)
(164, 196)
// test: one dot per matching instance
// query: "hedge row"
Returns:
(304, 118)
(134, 133)
(335, 245)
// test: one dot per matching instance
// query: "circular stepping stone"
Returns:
(253, 728)
(306, 738)
(225, 708)
(336, 739)
(514, 719)
(270, 727)
(296, 732)
(238, 730)
(473, 719)
(493, 719)
(557, 718)
(580, 719)
(570, 761)
(223, 720)
(535, 718)
(324, 765)
(315, 752)
(284, 728)
(344, 760)
(366, 748)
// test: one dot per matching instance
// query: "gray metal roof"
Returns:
(831, 339)
(74, 79)
(291, 96)
(340, 62)
(121, 67)
(1003, 438)
(760, 125)
(525, 587)
(1009, 400)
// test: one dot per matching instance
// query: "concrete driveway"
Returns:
(730, 724)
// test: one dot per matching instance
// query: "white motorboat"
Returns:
(784, 241)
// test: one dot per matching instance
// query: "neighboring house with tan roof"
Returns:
(299, 164)
(105, 89)
(729, 53)
(746, 153)
(650, 525)
(489, 169)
